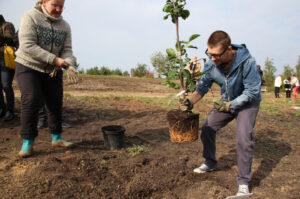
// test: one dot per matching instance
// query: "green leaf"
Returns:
(185, 14)
(166, 17)
(194, 36)
(183, 42)
(173, 19)
(172, 85)
(186, 73)
(187, 59)
(171, 52)
(192, 86)
(191, 46)
(172, 74)
(199, 74)
(176, 11)
(183, 51)
(167, 8)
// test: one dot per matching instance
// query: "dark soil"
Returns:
(149, 165)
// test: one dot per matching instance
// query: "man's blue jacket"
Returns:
(242, 84)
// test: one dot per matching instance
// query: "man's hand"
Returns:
(186, 105)
(222, 106)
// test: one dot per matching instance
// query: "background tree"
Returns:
(160, 63)
(81, 71)
(126, 73)
(93, 71)
(140, 70)
(76, 64)
(287, 72)
(298, 68)
(104, 71)
(116, 72)
(269, 72)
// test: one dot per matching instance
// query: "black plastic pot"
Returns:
(113, 136)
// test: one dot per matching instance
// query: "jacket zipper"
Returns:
(51, 41)
(52, 33)
(226, 84)
(226, 79)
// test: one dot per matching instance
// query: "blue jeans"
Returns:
(6, 78)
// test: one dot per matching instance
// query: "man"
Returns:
(7, 37)
(234, 70)
(277, 85)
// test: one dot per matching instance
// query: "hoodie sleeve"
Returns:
(67, 52)
(251, 82)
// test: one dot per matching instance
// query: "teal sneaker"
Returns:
(57, 141)
(27, 148)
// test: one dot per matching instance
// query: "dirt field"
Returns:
(149, 166)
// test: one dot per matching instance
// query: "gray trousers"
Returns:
(245, 121)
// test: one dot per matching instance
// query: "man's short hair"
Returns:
(219, 37)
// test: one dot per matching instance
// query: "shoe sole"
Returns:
(240, 197)
(60, 144)
(25, 155)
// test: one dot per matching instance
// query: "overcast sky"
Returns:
(123, 33)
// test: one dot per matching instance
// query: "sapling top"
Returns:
(178, 57)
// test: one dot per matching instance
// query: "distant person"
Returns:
(7, 37)
(277, 85)
(287, 87)
(194, 67)
(261, 74)
(45, 43)
(295, 85)
(233, 68)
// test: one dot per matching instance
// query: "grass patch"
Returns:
(134, 150)
(103, 162)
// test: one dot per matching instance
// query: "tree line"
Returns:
(270, 69)
(140, 70)
(162, 65)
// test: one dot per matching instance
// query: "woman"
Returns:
(295, 86)
(7, 37)
(194, 67)
(287, 86)
(45, 44)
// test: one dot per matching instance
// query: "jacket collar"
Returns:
(44, 12)
(242, 54)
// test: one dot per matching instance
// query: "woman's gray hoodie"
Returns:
(42, 38)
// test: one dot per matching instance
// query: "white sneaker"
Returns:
(243, 192)
(203, 169)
